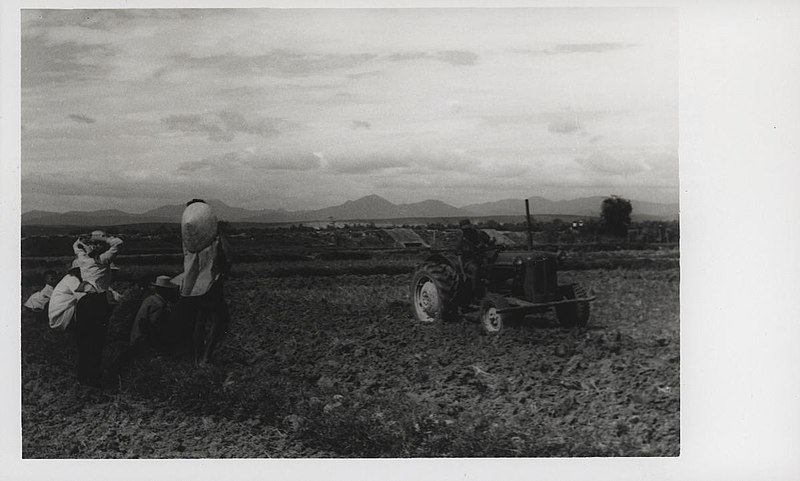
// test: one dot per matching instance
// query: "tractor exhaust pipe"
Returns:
(530, 232)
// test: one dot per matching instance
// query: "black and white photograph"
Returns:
(375, 233)
(447, 232)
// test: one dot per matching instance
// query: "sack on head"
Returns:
(198, 226)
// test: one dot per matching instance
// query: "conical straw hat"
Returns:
(198, 226)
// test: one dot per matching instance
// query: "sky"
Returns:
(307, 108)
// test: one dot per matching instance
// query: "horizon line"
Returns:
(351, 200)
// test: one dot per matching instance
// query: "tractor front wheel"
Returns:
(491, 320)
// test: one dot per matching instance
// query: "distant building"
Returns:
(405, 238)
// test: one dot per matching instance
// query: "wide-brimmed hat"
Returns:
(198, 226)
(163, 281)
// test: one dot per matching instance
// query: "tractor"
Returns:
(512, 284)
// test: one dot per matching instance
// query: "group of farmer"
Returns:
(83, 300)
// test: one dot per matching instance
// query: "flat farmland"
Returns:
(324, 359)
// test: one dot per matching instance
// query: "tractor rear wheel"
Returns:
(575, 314)
(433, 292)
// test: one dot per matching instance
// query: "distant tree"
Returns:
(616, 215)
(490, 224)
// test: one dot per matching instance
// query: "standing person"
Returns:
(206, 261)
(94, 257)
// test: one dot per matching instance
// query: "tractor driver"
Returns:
(471, 249)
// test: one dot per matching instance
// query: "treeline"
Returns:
(590, 230)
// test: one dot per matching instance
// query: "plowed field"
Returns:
(332, 364)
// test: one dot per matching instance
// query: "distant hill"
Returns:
(36, 214)
(172, 213)
(587, 207)
(80, 218)
(431, 208)
(371, 207)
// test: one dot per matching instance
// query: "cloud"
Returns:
(250, 161)
(605, 163)
(406, 56)
(81, 119)
(277, 62)
(454, 106)
(45, 63)
(562, 120)
(236, 122)
(566, 48)
(223, 162)
(663, 164)
(361, 124)
(414, 162)
(565, 126)
(198, 123)
(360, 75)
(367, 164)
(291, 63)
(290, 161)
(222, 126)
(457, 57)
(570, 48)
(87, 19)
(241, 176)
(113, 185)
(452, 57)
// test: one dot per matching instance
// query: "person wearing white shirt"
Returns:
(38, 301)
(61, 309)
(94, 257)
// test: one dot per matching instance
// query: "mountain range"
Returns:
(371, 207)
